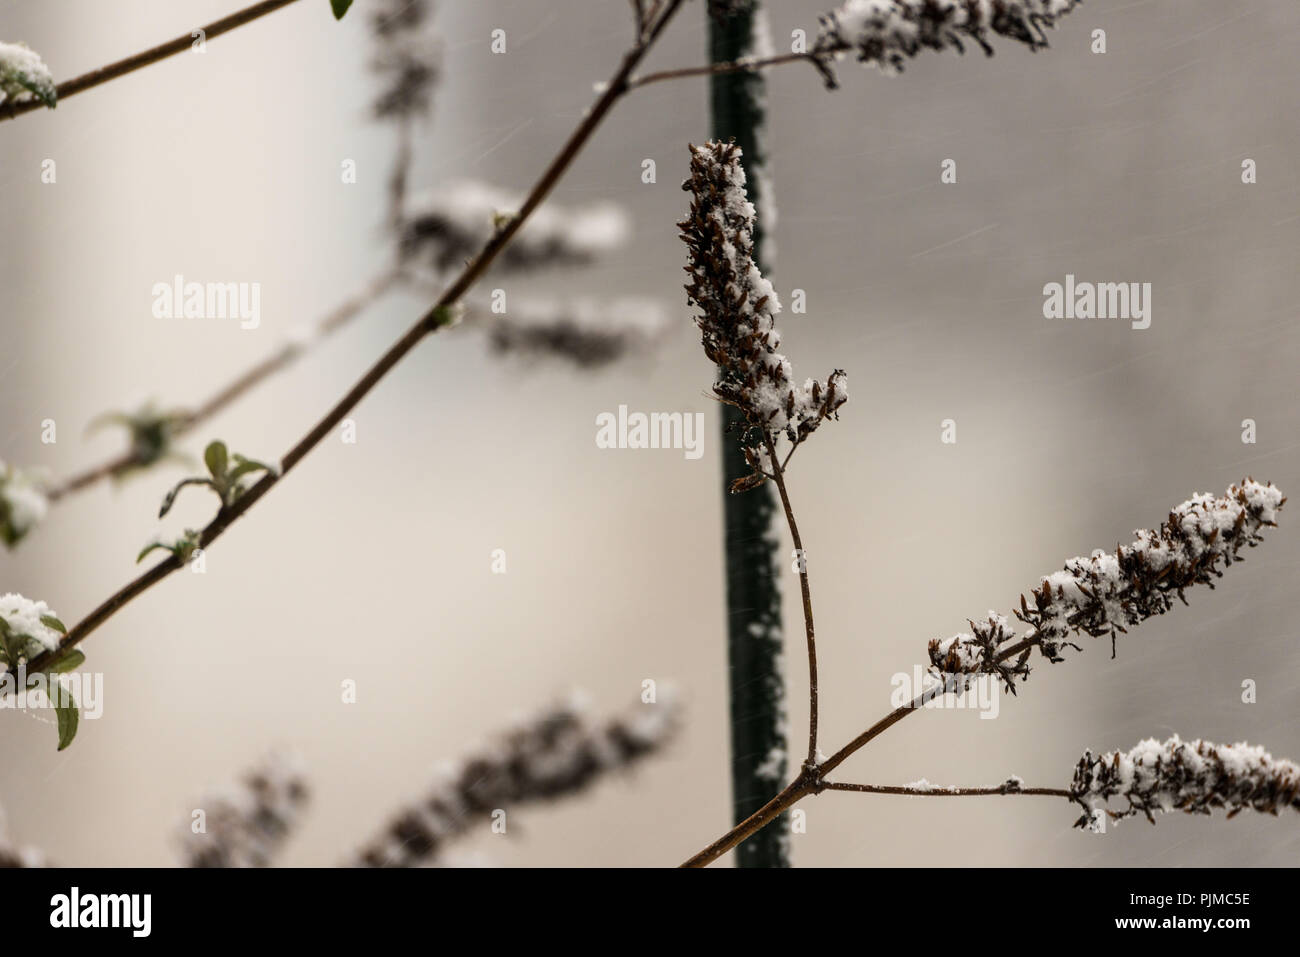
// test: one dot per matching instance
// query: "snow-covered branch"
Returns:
(885, 33)
(1105, 594)
(738, 307)
(1194, 777)
(247, 823)
(559, 752)
(449, 224)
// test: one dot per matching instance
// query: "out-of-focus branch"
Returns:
(443, 313)
(246, 825)
(558, 753)
(145, 58)
(178, 424)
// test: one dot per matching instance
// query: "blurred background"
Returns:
(372, 561)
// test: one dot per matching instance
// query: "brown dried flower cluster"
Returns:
(737, 310)
(557, 753)
(885, 33)
(1105, 594)
(1190, 776)
(246, 825)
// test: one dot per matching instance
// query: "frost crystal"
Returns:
(451, 224)
(1190, 776)
(22, 504)
(23, 74)
(1104, 594)
(24, 618)
(738, 307)
(884, 33)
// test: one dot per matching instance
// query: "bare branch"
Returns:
(145, 58)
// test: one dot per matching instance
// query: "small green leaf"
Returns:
(243, 466)
(65, 709)
(71, 662)
(148, 548)
(216, 459)
(340, 7)
(49, 621)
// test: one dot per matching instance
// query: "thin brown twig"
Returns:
(802, 558)
(715, 69)
(437, 317)
(145, 58)
(810, 779)
(913, 791)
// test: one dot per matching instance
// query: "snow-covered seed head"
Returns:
(559, 752)
(1190, 776)
(587, 332)
(23, 503)
(737, 313)
(246, 824)
(1105, 594)
(885, 33)
(447, 225)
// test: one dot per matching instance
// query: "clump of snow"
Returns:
(23, 618)
(24, 75)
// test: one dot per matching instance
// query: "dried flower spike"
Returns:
(557, 753)
(589, 333)
(885, 33)
(1190, 776)
(245, 826)
(1105, 594)
(737, 310)
(448, 225)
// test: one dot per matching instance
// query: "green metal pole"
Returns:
(754, 638)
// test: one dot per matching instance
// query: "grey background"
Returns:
(371, 561)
